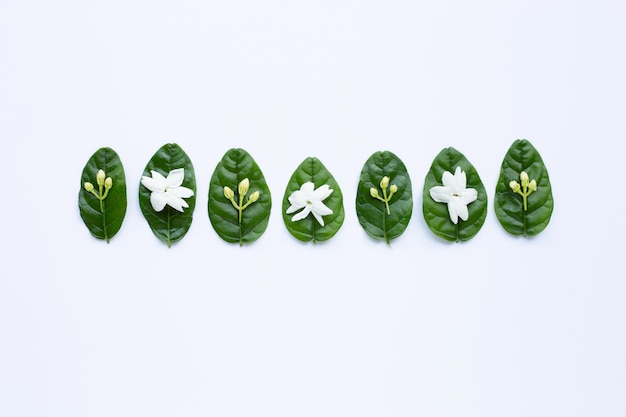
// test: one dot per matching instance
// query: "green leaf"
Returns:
(169, 225)
(372, 212)
(235, 166)
(436, 214)
(103, 220)
(309, 229)
(509, 206)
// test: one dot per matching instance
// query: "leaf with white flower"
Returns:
(452, 191)
(455, 194)
(311, 201)
(167, 190)
(324, 203)
(167, 193)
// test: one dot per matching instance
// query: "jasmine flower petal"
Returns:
(460, 210)
(175, 178)
(441, 194)
(307, 187)
(448, 180)
(321, 208)
(468, 195)
(322, 192)
(175, 202)
(154, 183)
(318, 217)
(293, 207)
(297, 200)
(301, 215)
(180, 192)
(452, 212)
(158, 201)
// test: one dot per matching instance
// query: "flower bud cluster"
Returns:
(384, 184)
(242, 190)
(104, 185)
(525, 189)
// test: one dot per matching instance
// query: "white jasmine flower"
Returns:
(310, 201)
(167, 190)
(454, 194)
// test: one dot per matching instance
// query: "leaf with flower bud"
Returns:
(240, 217)
(103, 206)
(384, 202)
(523, 208)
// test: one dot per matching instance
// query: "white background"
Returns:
(497, 326)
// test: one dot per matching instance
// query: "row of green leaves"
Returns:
(381, 218)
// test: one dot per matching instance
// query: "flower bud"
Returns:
(524, 177)
(374, 192)
(384, 183)
(532, 186)
(514, 186)
(253, 197)
(89, 187)
(243, 187)
(108, 183)
(100, 178)
(228, 193)
(393, 189)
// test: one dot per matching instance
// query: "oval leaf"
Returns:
(309, 228)
(509, 205)
(103, 218)
(437, 215)
(372, 212)
(169, 224)
(254, 209)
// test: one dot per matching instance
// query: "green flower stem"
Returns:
(102, 196)
(386, 200)
(240, 208)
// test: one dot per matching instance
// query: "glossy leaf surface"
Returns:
(169, 225)
(522, 156)
(309, 229)
(103, 222)
(235, 166)
(372, 212)
(436, 214)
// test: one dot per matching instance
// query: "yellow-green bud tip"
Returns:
(88, 187)
(384, 183)
(228, 193)
(393, 188)
(374, 192)
(254, 196)
(108, 183)
(100, 178)
(244, 185)
(532, 186)
(524, 177)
